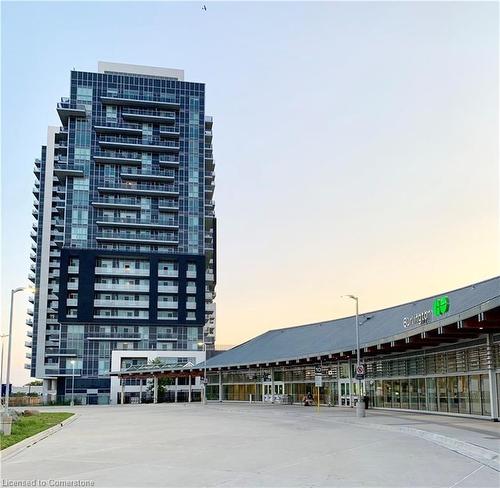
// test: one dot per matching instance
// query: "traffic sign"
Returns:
(331, 372)
(318, 380)
(360, 372)
(317, 369)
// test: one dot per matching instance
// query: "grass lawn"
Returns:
(28, 426)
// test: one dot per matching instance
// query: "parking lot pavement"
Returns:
(245, 445)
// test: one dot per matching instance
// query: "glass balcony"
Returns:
(166, 337)
(114, 336)
(124, 203)
(153, 144)
(170, 273)
(104, 126)
(139, 237)
(121, 271)
(139, 188)
(168, 305)
(141, 100)
(134, 222)
(169, 133)
(121, 303)
(55, 351)
(167, 204)
(120, 287)
(149, 115)
(142, 174)
(117, 157)
(167, 289)
(169, 161)
(63, 170)
(67, 109)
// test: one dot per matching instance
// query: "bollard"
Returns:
(360, 409)
(6, 427)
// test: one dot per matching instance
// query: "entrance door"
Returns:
(267, 393)
(344, 393)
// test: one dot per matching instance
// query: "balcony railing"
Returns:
(168, 238)
(120, 287)
(168, 161)
(140, 222)
(138, 187)
(122, 303)
(167, 289)
(115, 202)
(147, 173)
(56, 351)
(168, 305)
(166, 337)
(117, 336)
(151, 144)
(142, 99)
(121, 271)
(171, 204)
(118, 157)
(172, 273)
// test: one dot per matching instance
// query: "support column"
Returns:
(349, 365)
(155, 389)
(122, 383)
(140, 390)
(189, 390)
(272, 385)
(176, 388)
(221, 392)
(492, 377)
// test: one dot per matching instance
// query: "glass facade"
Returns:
(127, 179)
(452, 381)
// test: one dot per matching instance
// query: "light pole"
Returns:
(1, 366)
(9, 351)
(360, 406)
(72, 404)
(204, 389)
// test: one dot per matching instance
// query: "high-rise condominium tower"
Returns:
(124, 232)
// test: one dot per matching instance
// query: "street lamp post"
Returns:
(204, 388)
(9, 350)
(72, 383)
(1, 366)
(360, 406)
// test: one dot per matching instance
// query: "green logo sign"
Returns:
(440, 306)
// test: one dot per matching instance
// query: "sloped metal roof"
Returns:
(338, 335)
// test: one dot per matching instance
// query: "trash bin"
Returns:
(366, 400)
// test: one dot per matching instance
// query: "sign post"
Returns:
(318, 381)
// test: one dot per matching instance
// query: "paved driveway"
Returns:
(237, 445)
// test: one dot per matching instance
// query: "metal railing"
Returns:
(117, 154)
(152, 141)
(148, 172)
(151, 112)
(118, 201)
(131, 220)
(139, 186)
(164, 237)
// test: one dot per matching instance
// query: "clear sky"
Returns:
(356, 144)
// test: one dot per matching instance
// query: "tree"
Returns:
(162, 382)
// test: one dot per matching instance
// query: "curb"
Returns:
(12, 451)
(479, 454)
